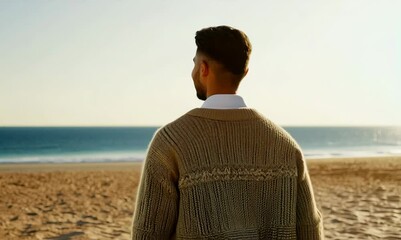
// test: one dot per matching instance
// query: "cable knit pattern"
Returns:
(225, 174)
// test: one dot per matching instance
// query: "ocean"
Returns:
(108, 144)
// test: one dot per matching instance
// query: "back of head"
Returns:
(226, 45)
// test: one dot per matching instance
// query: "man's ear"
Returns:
(204, 68)
(246, 72)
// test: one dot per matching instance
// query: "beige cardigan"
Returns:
(225, 174)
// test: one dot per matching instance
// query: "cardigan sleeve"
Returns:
(156, 208)
(309, 219)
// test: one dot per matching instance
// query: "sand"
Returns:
(359, 198)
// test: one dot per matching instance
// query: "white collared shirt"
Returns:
(224, 101)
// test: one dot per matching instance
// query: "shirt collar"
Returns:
(224, 101)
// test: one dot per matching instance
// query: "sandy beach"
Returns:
(360, 198)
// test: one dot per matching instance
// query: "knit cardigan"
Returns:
(225, 174)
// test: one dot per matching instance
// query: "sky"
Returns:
(129, 63)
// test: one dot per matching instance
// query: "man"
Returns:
(223, 171)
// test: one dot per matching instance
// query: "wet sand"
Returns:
(360, 199)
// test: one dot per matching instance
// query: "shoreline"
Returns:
(126, 166)
(76, 166)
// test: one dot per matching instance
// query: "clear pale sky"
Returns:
(126, 63)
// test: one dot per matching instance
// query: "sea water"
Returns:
(108, 144)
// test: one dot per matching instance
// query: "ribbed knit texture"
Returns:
(225, 174)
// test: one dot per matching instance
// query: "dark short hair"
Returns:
(228, 46)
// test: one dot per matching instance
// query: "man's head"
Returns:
(221, 60)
